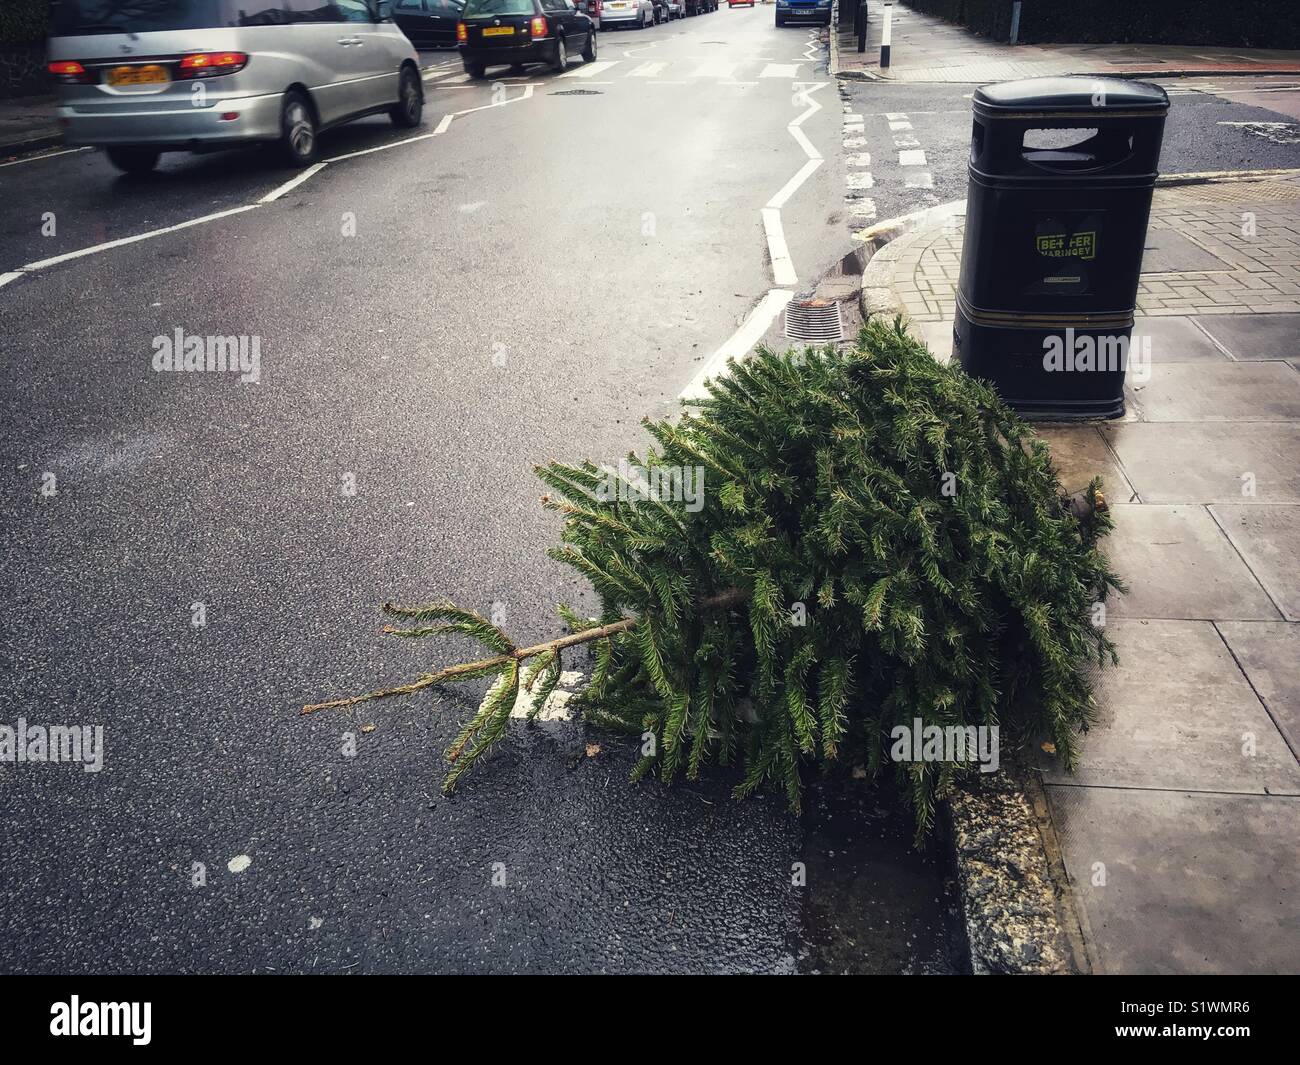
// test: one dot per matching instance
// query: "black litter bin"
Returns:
(1061, 176)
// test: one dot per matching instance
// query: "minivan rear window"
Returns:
(488, 8)
(73, 18)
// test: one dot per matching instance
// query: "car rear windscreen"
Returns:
(71, 18)
(488, 8)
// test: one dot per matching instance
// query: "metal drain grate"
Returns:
(815, 321)
(577, 92)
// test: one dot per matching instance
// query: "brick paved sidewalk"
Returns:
(1181, 830)
(928, 49)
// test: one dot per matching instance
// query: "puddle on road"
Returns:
(874, 904)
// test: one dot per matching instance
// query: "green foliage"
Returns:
(23, 21)
(879, 540)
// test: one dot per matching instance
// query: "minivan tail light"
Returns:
(211, 64)
(69, 71)
(538, 28)
(462, 32)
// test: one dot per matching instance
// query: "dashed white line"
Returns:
(911, 158)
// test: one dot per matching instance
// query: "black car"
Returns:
(491, 32)
(428, 23)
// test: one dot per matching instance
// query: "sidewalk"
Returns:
(28, 123)
(1181, 830)
(926, 48)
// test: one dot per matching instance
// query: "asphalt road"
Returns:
(433, 318)
(1225, 123)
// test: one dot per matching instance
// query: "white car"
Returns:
(638, 13)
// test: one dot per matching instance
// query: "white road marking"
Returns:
(923, 180)
(527, 94)
(804, 142)
(13, 275)
(782, 266)
(894, 116)
(906, 140)
(292, 183)
(741, 342)
(911, 158)
(896, 126)
(859, 160)
(646, 70)
(792, 186)
(47, 155)
(855, 142)
(93, 249)
(469, 208)
(780, 70)
(863, 210)
(859, 181)
(588, 70)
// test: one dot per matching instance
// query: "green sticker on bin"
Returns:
(1059, 246)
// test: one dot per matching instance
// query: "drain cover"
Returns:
(577, 92)
(816, 321)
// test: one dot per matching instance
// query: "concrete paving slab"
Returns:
(1177, 713)
(1256, 336)
(1179, 564)
(1079, 453)
(1169, 252)
(1205, 392)
(1177, 339)
(937, 336)
(1269, 653)
(1189, 463)
(1268, 538)
(1171, 882)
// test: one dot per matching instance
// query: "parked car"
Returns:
(699, 7)
(804, 12)
(523, 31)
(428, 23)
(140, 79)
(740, 3)
(676, 9)
(638, 13)
(661, 11)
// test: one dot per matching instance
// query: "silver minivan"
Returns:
(141, 77)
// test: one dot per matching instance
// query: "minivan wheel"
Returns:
(561, 63)
(476, 70)
(298, 140)
(133, 160)
(409, 110)
(589, 53)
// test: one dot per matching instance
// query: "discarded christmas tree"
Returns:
(877, 539)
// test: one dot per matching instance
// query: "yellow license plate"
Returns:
(498, 31)
(148, 75)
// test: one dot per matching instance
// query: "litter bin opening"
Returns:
(1071, 149)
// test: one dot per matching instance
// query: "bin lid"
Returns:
(1070, 95)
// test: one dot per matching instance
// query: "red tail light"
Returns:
(538, 28)
(211, 64)
(462, 32)
(69, 71)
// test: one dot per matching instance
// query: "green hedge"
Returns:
(1240, 24)
(23, 21)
